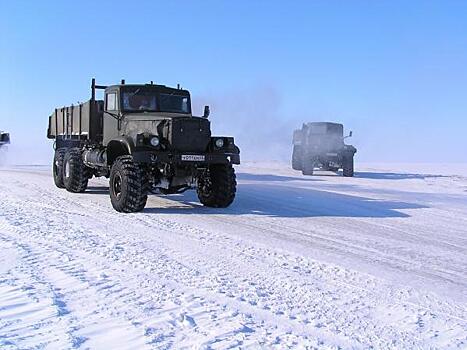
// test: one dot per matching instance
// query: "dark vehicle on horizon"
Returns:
(144, 138)
(321, 145)
(4, 138)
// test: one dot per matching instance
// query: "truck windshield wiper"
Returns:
(135, 92)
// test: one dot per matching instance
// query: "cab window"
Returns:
(111, 101)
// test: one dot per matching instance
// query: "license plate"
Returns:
(332, 154)
(193, 158)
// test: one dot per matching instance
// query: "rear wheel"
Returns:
(128, 185)
(217, 186)
(75, 172)
(57, 167)
(347, 166)
(297, 158)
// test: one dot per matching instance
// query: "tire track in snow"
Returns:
(165, 269)
(32, 312)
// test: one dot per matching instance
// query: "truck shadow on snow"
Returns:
(318, 174)
(395, 176)
(287, 202)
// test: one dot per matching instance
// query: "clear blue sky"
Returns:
(395, 72)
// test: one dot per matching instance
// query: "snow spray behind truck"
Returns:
(143, 138)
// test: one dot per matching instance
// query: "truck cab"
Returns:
(126, 105)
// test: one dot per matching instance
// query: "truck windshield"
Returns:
(136, 99)
(139, 100)
(174, 103)
(318, 129)
(326, 129)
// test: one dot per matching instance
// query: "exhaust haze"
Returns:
(254, 118)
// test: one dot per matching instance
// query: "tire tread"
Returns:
(57, 169)
(224, 187)
(79, 174)
(138, 185)
(348, 166)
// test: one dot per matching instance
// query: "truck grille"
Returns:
(189, 134)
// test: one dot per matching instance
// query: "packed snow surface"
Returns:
(376, 261)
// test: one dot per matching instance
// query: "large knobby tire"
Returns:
(347, 166)
(217, 186)
(57, 167)
(75, 172)
(129, 185)
(297, 158)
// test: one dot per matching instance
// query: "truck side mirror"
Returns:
(206, 112)
(350, 134)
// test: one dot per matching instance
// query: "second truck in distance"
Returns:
(321, 145)
(143, 138)
(4, 138)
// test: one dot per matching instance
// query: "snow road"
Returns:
(379, 260)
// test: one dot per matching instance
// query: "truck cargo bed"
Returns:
(83, 121)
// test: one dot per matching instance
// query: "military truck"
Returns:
(4, 138)
(321, 145)
(144, 138)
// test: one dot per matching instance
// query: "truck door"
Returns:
(111, 110)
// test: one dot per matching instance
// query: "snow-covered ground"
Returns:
(376, 261)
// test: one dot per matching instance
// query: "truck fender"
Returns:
(350, 150)
(119, 147)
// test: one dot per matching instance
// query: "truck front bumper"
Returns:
(154, 157)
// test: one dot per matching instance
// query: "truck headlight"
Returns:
(155, 141)
(220, 143)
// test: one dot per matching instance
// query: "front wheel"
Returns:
(217, 186)
(308, 165)
(347, 166)
(297, 158)
(128, 185)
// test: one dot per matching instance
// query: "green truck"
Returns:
(144, 138)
